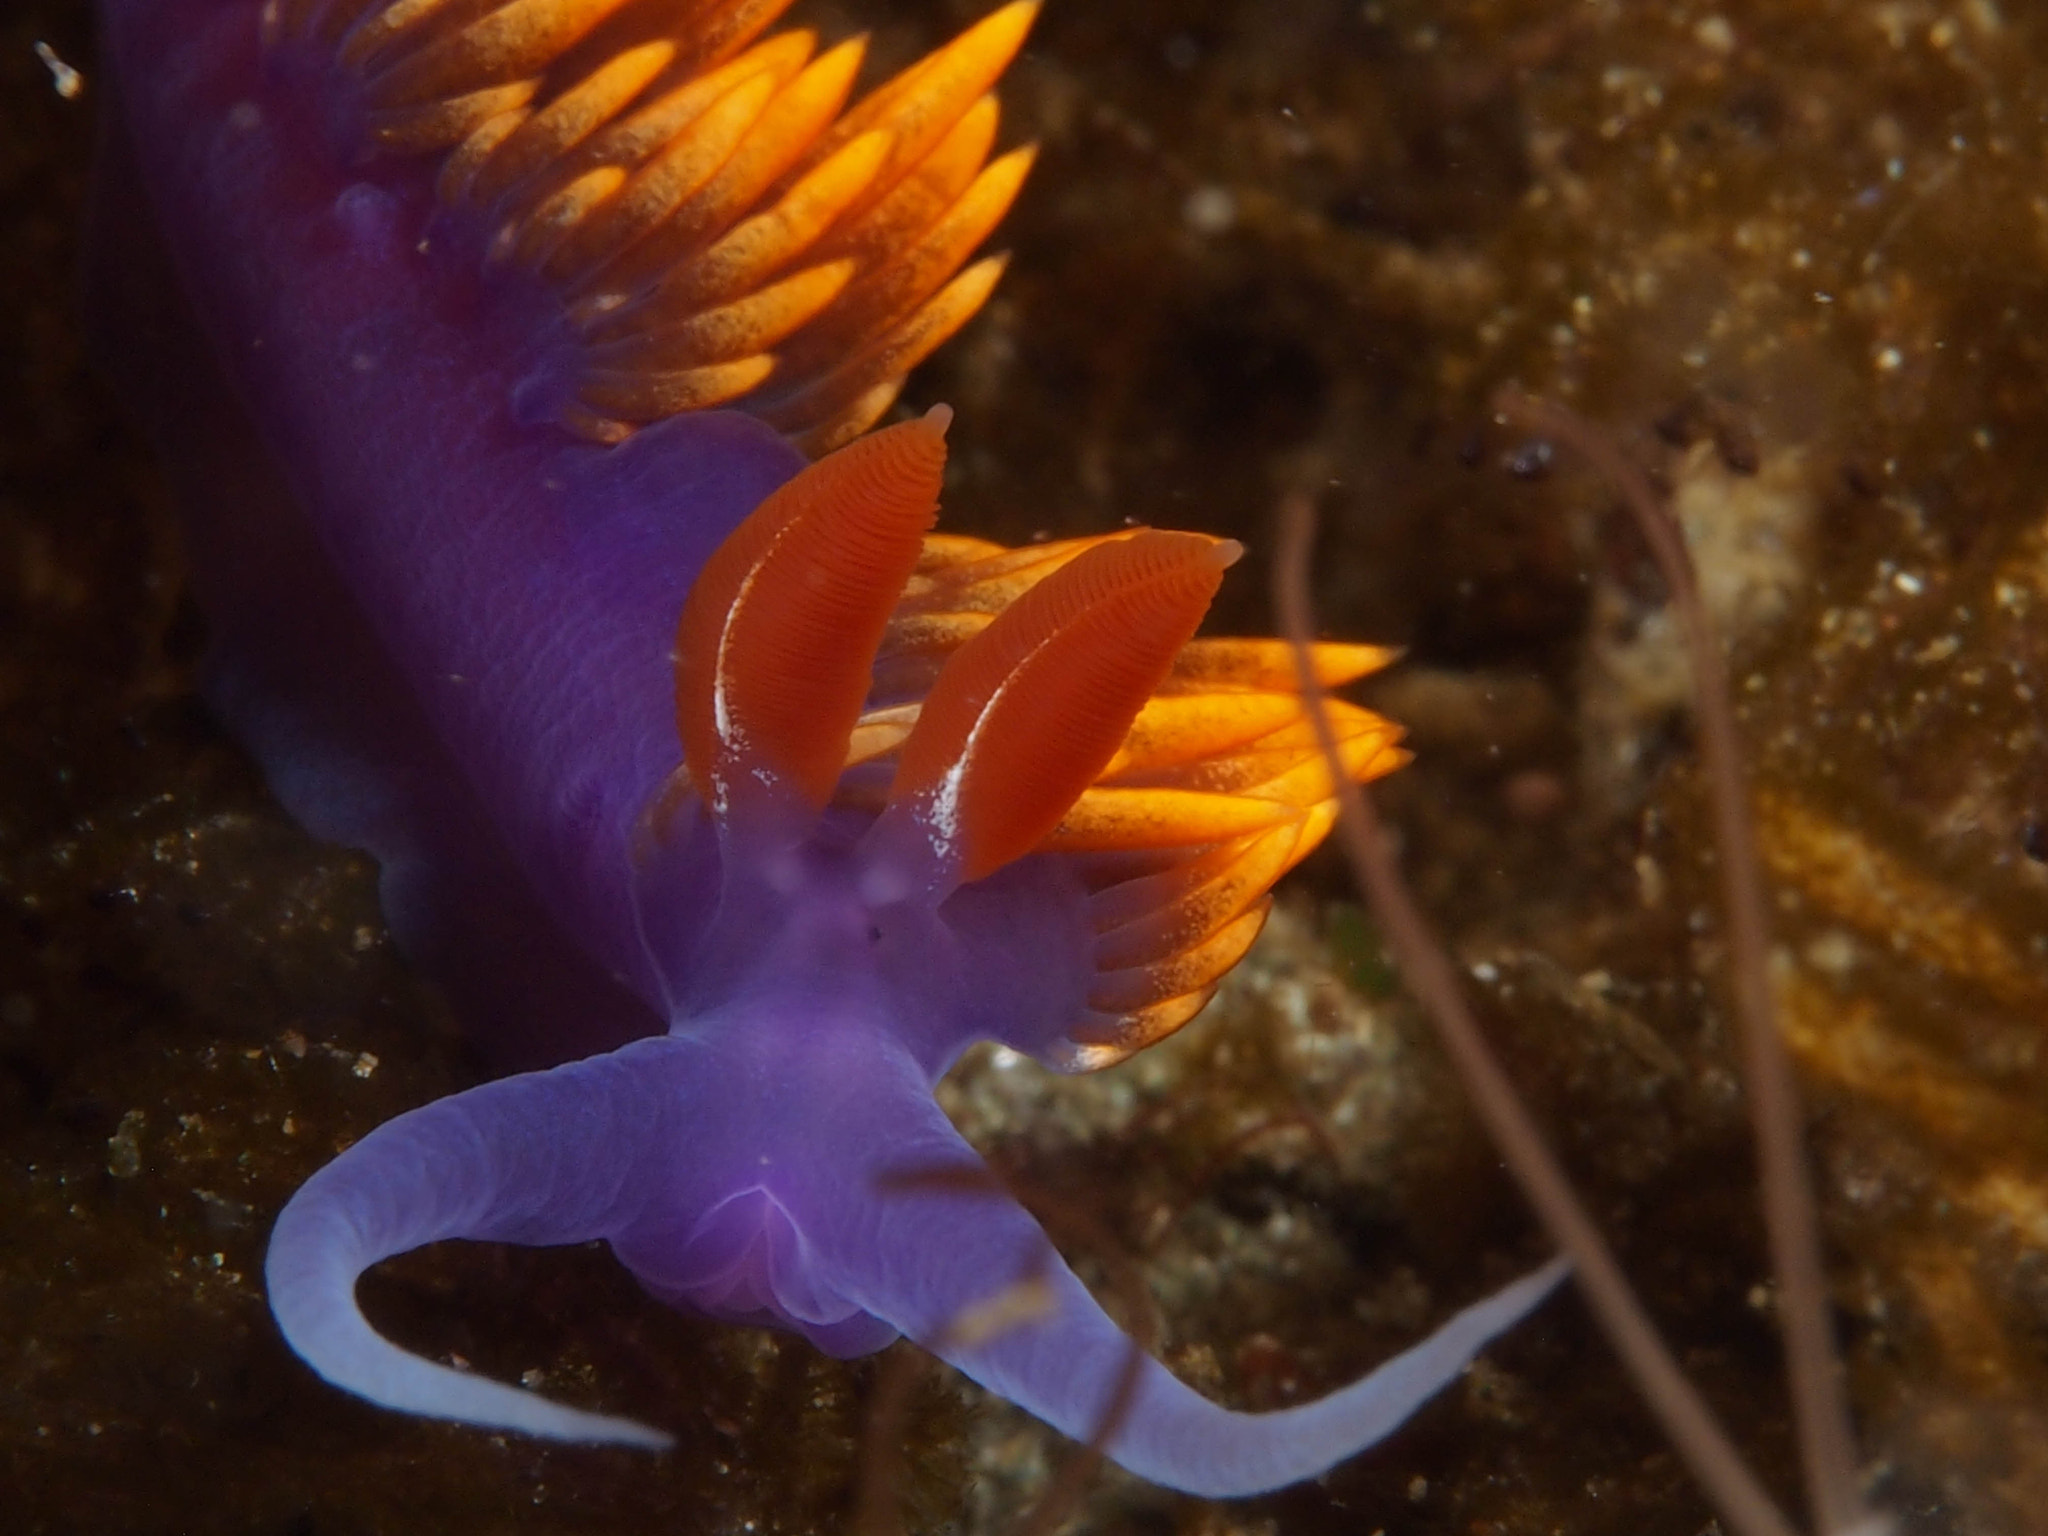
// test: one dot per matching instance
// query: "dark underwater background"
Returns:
(1791, 257)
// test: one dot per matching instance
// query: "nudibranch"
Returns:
(518, 388)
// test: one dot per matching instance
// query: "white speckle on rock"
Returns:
(1210, 210)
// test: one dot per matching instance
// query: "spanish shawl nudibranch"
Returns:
(531, 313)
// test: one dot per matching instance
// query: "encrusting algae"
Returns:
(1264, 247)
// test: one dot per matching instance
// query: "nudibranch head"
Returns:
(715, 229)
(986, 705)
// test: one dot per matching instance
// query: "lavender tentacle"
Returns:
(936, 1262)
(541, 1158)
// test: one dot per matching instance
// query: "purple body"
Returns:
(445, 629)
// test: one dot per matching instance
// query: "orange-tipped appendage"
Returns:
(779, 634)
(1206, 665)
(921, 105)
(1025, 714)
(506, 44)
(668, 176)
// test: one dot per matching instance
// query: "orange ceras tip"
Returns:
(1024, 716)
(720, 226)
(778, 637)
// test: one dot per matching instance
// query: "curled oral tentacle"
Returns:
(966, 1272)
(542, 1158)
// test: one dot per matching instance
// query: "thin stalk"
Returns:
(1820, 1406)
(1428, 972)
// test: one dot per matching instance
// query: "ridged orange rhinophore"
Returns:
(774, 646)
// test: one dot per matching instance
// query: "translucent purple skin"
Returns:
(445, 630)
